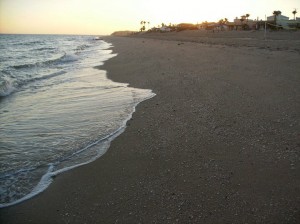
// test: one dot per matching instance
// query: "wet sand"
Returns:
(219, 143)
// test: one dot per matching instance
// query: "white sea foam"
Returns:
(65, 114)
(6, 86)
(102, 145)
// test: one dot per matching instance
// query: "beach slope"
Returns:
(219, 143)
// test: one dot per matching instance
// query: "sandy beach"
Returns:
(219, 143)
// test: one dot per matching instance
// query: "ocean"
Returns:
(57, 110)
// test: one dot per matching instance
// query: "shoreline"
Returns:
(218, 143)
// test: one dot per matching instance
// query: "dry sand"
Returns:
(219, 143)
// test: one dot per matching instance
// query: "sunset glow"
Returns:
(104, 17)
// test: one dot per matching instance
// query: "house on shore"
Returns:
(207, 26)
(295, 23)
(273, 22)
(283, 22)
(186, 26)
(238, 24)
(279, 20)
(165, 29)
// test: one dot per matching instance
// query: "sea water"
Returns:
(57, 111)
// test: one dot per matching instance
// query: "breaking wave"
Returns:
(6, 86)
(61, 59)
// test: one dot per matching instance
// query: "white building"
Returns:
(281, 20)
(165, 29)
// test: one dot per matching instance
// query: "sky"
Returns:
(102, 17)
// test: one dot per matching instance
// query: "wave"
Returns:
(40, 64)
(68, 58)
(13, 173)
(30, 43)
(64, 58)
(6, 86)
(101, 146)
(80, 48)
(44, 49)
(9, 84)
(44, 77)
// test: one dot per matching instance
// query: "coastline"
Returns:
(218, 143)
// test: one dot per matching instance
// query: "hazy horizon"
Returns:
(92, 17)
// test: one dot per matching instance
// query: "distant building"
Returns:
(294, 24)
(165, 29)
(207, 26)
(238, 24)
(186, 26)
(281, 20)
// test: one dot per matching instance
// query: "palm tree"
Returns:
(222, 22)
(247, 16)
(143, 28)
(276, 13)
(242, 19)
(294, 12)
